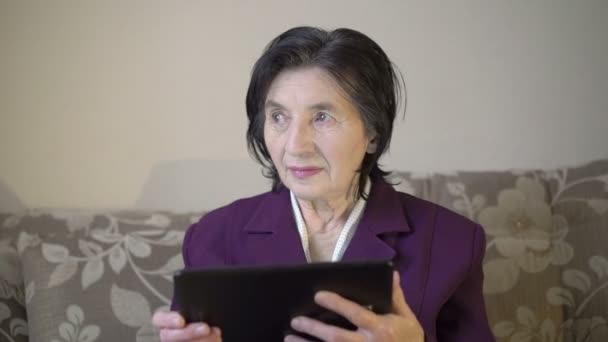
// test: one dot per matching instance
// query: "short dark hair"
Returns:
(357, 64)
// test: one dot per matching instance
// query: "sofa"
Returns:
(97, 275)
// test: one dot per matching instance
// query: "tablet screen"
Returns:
(258, 303)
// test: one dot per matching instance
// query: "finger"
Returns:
(168, 319)
(294, 338)
(215, 336)
(321, 330)
(216, 333)
(400, 306)
(355, 313)
(190, 332)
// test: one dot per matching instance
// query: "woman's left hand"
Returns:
(401, 325)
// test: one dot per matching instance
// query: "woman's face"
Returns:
(315, 136)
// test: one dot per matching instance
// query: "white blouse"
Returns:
(347, 231)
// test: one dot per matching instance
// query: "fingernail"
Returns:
(296, 322)
(201, 329)
(177, 321)
(325, 297)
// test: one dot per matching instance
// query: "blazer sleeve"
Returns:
(205, 243)
(463, 317)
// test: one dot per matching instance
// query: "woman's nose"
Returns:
(300, 139)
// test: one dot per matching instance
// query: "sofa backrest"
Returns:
(102, 274)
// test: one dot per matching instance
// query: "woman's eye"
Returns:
(279, 120)
(322, 117)
(324, 120)
(277, 117)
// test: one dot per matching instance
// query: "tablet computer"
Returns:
(258, 303)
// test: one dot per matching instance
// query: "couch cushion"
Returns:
(579, 195)
(13, 326)
(546, 262)
(99, 276)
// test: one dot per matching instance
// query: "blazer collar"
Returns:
(384, 211)
(383, 214)
(382, 219)
(273, 213)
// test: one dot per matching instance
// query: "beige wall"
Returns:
(94, 95)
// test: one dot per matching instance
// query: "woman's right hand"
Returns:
(173, 328)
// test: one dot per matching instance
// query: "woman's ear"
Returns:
(372, 145)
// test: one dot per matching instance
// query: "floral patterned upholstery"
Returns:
(72, 259)
(546, 263)
(70, 275)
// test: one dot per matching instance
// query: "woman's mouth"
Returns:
(304, 172)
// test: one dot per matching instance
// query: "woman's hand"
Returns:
(401, 325)
(173, 328)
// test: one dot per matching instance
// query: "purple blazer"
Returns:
(438, 253)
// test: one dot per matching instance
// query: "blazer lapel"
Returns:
(383, 218)
(384, 233)
(272, 235)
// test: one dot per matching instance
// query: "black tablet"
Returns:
(258, 303)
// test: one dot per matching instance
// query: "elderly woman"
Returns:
(321, 106)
